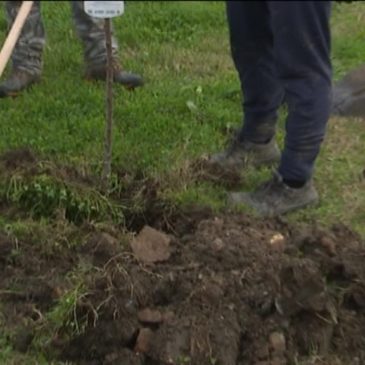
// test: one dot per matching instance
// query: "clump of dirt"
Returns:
(231, 291)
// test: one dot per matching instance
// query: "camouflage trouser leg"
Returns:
(91, 32)
(27, 54)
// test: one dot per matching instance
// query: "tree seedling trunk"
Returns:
(107, 10)
(108, 140)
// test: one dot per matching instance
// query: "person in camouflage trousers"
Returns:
(27, 56)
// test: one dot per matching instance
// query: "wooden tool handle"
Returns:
(14, 34)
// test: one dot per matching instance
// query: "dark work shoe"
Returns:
(18, 81)
(127, 79)
(275, 198)
(240, 154)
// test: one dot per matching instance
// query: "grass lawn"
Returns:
(191, 98)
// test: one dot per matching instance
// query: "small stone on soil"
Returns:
(277, 343)
(150, 316)
(151, 246)
(277, 241)
(328, 245)
(218, 245)
(143, 340)
(168, 316)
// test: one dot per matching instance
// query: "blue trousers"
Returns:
(281, 50)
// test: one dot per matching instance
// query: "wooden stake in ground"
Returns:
(109, 108)
(14, 34)
(107, 10)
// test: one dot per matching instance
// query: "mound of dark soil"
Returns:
(229, 290)
(195, 289)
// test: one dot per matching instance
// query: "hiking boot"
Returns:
(127, 79)
(275, 197)
(240, 154)
(18, 81)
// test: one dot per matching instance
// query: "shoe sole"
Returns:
(310, 204)
(246, 201)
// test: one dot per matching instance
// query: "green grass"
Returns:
(191, 96)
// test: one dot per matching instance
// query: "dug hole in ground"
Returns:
(197, 288)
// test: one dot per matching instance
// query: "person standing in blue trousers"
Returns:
(281, 50)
